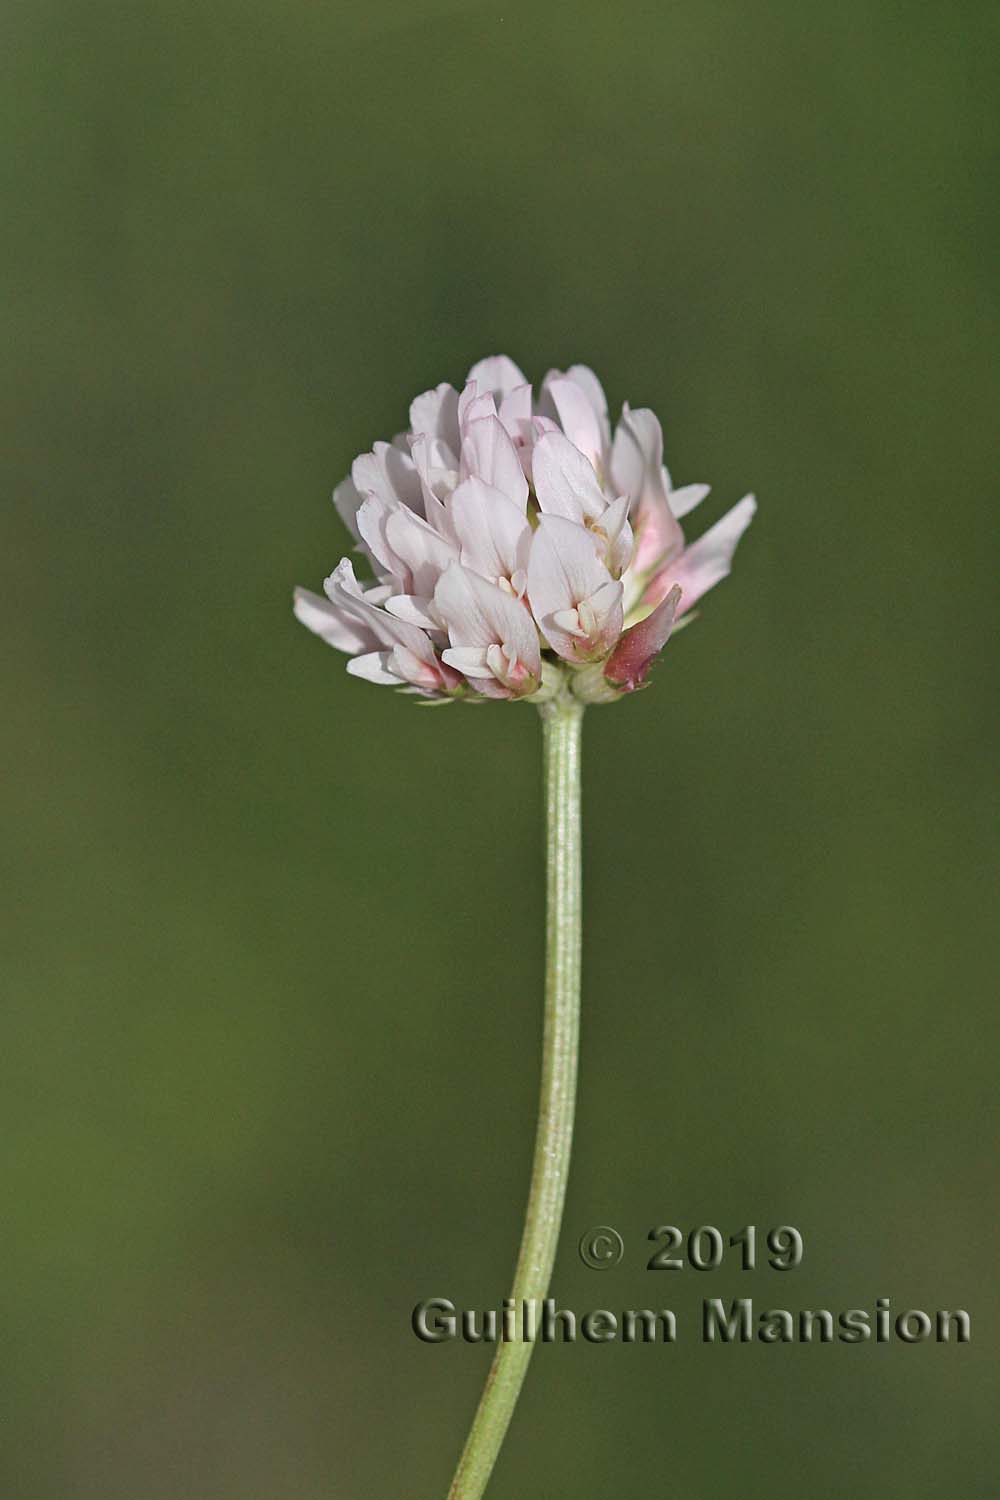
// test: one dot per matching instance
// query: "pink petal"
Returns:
(639, 647)
(707, 561)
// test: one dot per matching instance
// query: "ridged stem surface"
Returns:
(561, 722)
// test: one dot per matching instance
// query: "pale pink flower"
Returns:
(517, 547)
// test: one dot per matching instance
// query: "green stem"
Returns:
(561, 721)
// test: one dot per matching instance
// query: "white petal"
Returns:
(425, 553)
(470, 394)
(617, 550)
(684, 500)
(416, 668)
(342, 589)
(515, 409)
(563, 567)
(497, 374)
(637, 471)
(469, 660)
(374, 667)
(475, 407)
(347, 499)
(565, 482)
(637, 456)
(592, 388)
(601, 615)
(372, 519)
(414, 610)
(565, 575)
(578, 418)
(438, 470)
(478, 614)
(435, 415)
(492, 531)
(518, 419)
(390, 473)
(343, 583)
(569, 620)
(489, 454)
(331, 624)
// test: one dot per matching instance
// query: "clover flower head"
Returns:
(517, 547)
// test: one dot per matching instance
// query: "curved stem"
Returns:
(562, 720)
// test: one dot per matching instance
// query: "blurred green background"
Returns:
(273, 937)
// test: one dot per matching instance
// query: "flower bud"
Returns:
(639, 647)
